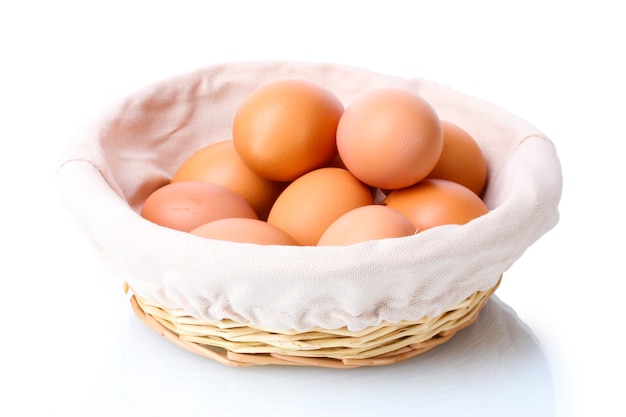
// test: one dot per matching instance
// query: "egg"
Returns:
(287, 127)
(461, 159)
(244, 230)
(371, 222)
(389, 138)
(219, 163)
(309, 204)
(436, 202)
(186, 205)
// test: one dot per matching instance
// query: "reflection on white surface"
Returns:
(494, 368)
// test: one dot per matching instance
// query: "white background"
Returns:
(69, 342)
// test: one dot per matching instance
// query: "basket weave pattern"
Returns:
(236, 344)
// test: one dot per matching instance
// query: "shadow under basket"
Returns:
(236, 344)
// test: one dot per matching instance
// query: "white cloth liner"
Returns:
(127, 152)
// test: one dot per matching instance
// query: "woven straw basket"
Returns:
(233, 343)
(373, 303)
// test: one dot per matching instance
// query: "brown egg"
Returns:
(286, 128)
(461, 159)
(435, 202)
(316, 199)
(219, 163)
(389, 138)
(244, 231)
(367, 223)
(187, 205)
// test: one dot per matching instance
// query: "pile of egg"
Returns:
(302, 169)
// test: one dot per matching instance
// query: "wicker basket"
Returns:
(303, 306)
(236, 344)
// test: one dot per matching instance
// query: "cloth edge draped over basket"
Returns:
(117, 160)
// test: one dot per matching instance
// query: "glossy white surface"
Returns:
(548, 343)
(481, 371)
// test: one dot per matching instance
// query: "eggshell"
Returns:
(461, 159)
(219, 163)
(186, 205)
(367, 223)
(435, 202)
(389, 138)
(286, 128)
(312, 202)
(244, 230)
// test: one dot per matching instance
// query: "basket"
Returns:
(373, 303)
